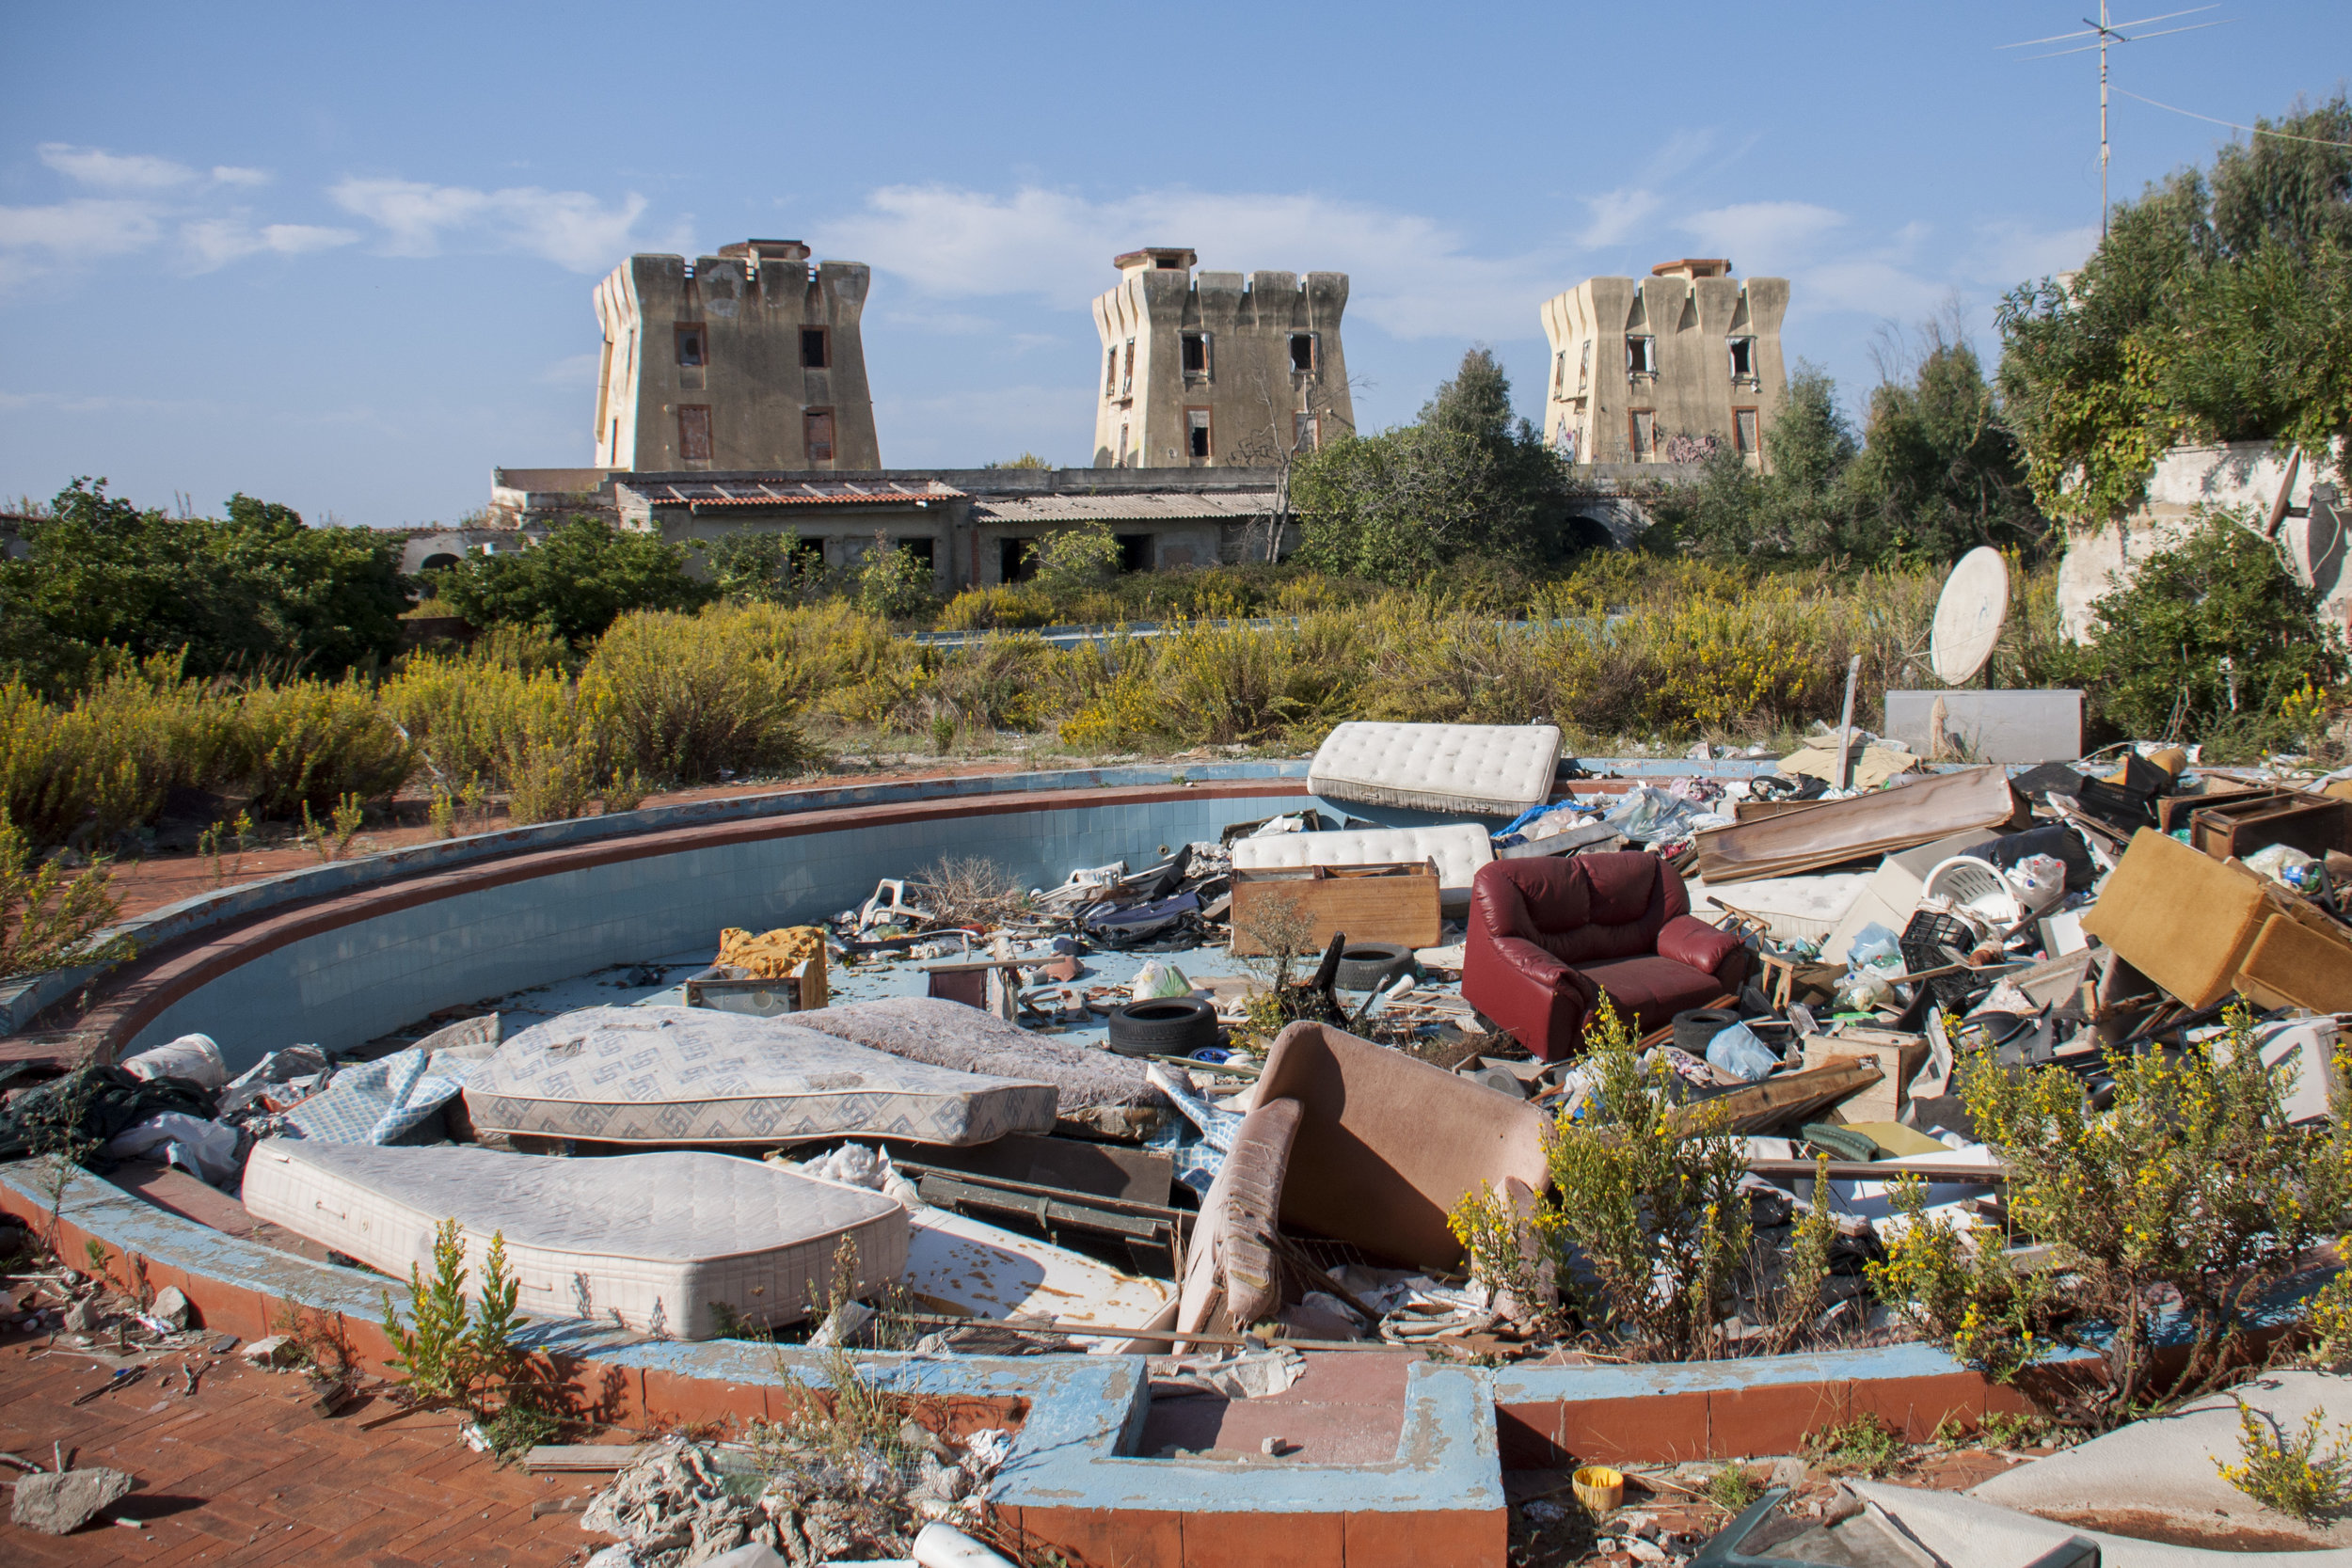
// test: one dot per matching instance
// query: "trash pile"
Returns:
(800, 1493)
(1236, 1093)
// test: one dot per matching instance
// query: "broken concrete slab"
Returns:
(61, 1504)
(2163, 1468)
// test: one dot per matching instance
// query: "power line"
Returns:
(2249, 130)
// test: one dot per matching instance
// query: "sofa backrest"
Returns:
(1581, 908)
(1387, 1145)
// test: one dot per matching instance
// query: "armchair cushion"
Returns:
(1687, 940)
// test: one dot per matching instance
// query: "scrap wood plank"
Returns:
(1863, 826)
(1881, 1170)
(1775, 1099)
(584, 1456)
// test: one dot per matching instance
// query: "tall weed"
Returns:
(687, 697)
(104, 764)
(311, 742)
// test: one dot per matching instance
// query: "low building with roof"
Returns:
(973, 526)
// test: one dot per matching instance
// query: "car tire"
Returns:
(1370, 965)
(1696, 1029)
(1163, 1026)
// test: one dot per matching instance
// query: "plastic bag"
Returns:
(193, 1057)
(1156, 979)
(2281, 862)
(1739, 1053)
(1874, 948)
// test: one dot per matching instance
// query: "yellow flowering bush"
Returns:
(2186, 1199)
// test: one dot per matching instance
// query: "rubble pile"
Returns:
(800, 1493)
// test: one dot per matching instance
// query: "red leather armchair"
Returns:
(1549, 935)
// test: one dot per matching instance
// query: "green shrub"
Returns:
(998, 607)
(49, 920)
(312, 743)
(2212, 638)
(445, 1352)
(684, 698)
(473, 716)
(1071, 560)
(1643, 1217)
(2190, 1195)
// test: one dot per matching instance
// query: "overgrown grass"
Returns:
(1627, 650)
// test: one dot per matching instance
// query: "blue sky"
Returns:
(341, 257)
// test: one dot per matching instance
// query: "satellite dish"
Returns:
(1968, 616)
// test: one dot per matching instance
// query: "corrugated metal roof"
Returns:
(1128, 506)
(754, 493)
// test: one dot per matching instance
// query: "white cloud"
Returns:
(579, 370)
(1763, 236)
(114, 171)
(86, 227)
(571, 229)
(1407, 273)
(216, 242)
(1617, 214)
(227, 174)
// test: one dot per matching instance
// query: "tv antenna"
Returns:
(2102, 33)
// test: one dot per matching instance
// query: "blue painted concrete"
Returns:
(345, 987)
(1067, 1454)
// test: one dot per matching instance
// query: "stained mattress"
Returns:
(690, 1075)
(950, 1034)
(1483, 769)
(1458, 847)
(656, 1239)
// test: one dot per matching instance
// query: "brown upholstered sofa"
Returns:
(1548, 936)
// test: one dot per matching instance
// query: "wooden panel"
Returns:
(1394, 903)
(2310, 823)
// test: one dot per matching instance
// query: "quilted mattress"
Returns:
(1484, 770)
(1458, 847)
(1095, 1089)
(691, 1075)
(655, 1238)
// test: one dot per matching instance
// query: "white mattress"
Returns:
(1796, 908)
(691, 1075)
(654, 1238)
(1484, 769)
(1459, 849)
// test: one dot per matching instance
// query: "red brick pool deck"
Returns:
(243, 1472)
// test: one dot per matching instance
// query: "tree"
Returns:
(1469, 479)
(1301, 413)
(1939, 473)
(2218, 310)
(1798, 512)
(1069, 561)
(576, 582)
(755, 565)
(102, 576)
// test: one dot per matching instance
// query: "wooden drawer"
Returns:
(1394, 902)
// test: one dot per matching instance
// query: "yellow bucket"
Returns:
(1601, 1489)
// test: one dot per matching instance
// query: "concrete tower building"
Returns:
(1689, 351)
(750, 359)
(1217, 371)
